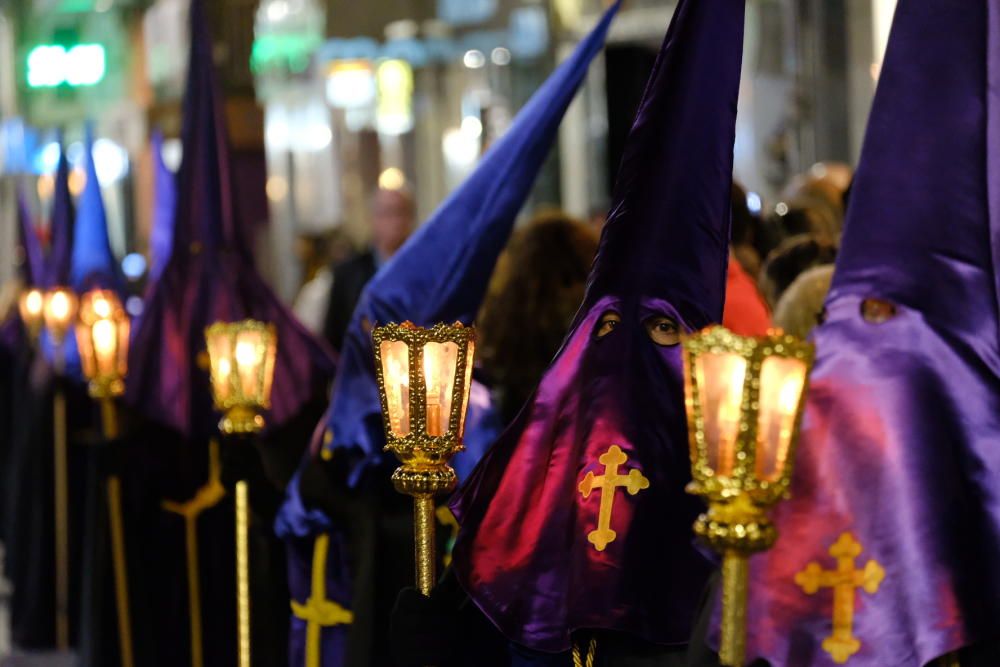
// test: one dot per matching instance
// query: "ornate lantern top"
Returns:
(242, 356)
(424, 377)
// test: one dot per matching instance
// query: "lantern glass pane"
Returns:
(440, 365)
(781, 383)
(105, 340)
(249, 353)
(220, 355)
(720, 391)
(467, 387)
(396, 375)
(270, 342)
(84, 343)
(122, 349)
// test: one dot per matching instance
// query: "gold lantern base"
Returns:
(106, 387)
(735, 527)
(241, 420)
(423, 482)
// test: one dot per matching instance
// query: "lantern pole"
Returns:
(59, 310)
(61, 499)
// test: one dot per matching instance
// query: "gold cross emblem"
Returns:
(634, 482)
(842, 644)
(319, 612)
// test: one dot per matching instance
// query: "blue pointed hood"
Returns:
(57, 263)
(92, 264)
(441, 273)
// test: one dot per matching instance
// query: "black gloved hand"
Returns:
(241, 462)
(323, 486)
(421, 629)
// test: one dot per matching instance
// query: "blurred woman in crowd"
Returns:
(532, 297)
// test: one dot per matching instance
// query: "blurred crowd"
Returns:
(780, 269)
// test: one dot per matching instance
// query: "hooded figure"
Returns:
(895, 508)
(29, 507)
(210, 276)
(440, 274)
(577, 519)
(92, 263)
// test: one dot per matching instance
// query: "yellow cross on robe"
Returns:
(633, 482)
(842, 643)
(318, 612)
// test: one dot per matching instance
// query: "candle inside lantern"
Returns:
(720, 377)
(248, 355)
(781, 383)
(104, 345)
(440, 360)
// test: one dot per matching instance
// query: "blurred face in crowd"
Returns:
(392, 219)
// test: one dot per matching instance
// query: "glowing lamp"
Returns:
(59, 311)
(31, 307)
(744, 400)
(424, 377)
(102, 334)
(241, 356)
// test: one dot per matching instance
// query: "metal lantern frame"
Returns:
(241, 412)
(104, 382)
(754, 351)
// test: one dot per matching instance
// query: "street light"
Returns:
(744, 399)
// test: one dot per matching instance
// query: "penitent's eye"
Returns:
(877, 311)
(663, 330)
(609, 320)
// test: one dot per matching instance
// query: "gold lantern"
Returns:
(102, 332)
(242, 357)
(424, 377)
(744, 399)
(59, 311)
(31, 306)
(102, 337)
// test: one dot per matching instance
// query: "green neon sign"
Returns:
(51, 65)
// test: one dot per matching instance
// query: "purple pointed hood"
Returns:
(441, 273)
(899, 464)
(61, 217)
(210, 276)
(536, 552)
(92, 263)
(161, 236)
